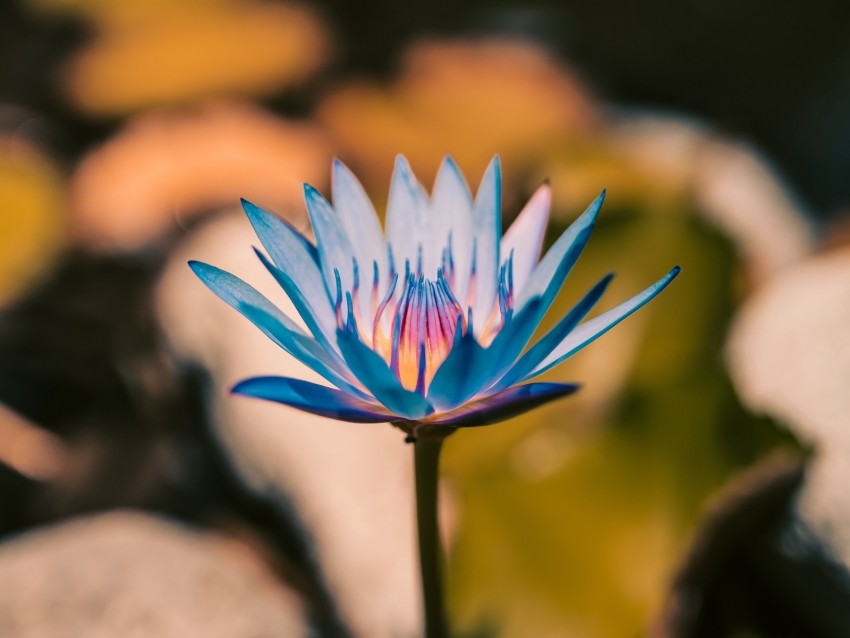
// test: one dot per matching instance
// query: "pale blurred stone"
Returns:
(135, 576)
(665, 163)
(352, 484)
(789, 356)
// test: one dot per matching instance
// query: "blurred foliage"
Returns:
(575, 516)
(32, 227)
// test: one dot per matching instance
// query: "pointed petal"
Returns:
(547, 344)
(525, 236)
(487, 231)
(294, 255)
(357, 215)
(506, 404)
(408, 224)
(451, 214)
(471, 369)
(591, 330)
(376, 376)
(325, 336)
(335, 250)
(313, 398)
(554, 267)
(461, 375)
(276, 325)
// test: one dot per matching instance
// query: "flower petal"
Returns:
(524, 238)
(461, 374)
(325, 336)
(591, 330)
(547, 343)
(505, 405)
(311, 397)
(295, 256)
(487, 232)
(451, 215)
(452, 206)
(408, 223)
(357, 215)
(276, 325)
(470, 369)
(554, 267)
(336, 254)
(372, 371)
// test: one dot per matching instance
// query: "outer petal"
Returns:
(591, 330)
(408, 224)
(547, 344)
(276, 325)
(311, 397)
(376, 376)
(461, 375)
(525, 236)
(325, 336)
(506, 404)
(555, 266)
(470, 369)
(335, 250)
(487, 232)
(295, 256)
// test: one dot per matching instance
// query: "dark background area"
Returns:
(776, 74)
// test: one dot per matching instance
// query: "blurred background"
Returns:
(696, 487)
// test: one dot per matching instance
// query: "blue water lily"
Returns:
(429, 322)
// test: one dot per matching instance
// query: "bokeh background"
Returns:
(695, 487)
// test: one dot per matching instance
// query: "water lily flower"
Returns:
(428, 323)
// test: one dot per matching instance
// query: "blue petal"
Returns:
(550, 273)
(325, 337)
(373, 372)
(505, 405)
(547, 344)
(461, 375)
(275, 325)
(470, 369)
(408, 224)
(295, 256)
(335, 250)
(590, 330)
(487, 232)
(311, 397)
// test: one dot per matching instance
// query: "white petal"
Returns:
(408, 224)
(451, 215)
(525, 236)
(357, 215)
(487, 232)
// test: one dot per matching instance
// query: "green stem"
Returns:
(427, 460)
